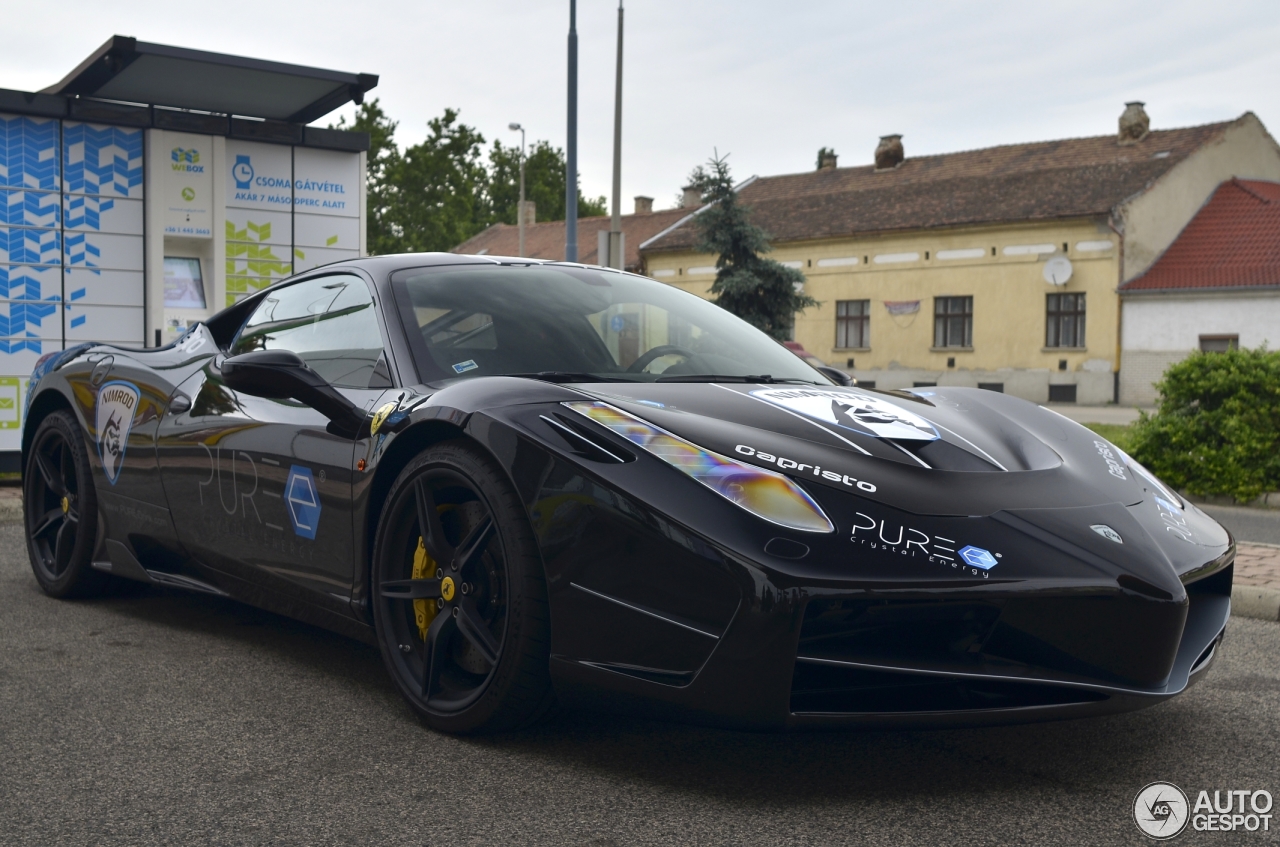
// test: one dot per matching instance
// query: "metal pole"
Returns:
(520, 207)
(571, 147)
(616, 260)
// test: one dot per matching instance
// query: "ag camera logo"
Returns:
(242, 172)
(1160, 810)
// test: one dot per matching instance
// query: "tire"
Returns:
(60, 505)
(459, 596)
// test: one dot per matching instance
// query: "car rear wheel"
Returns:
(61, 509)
(459, 596)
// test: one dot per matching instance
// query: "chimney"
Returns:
(889, 152)
(1134, 123)
(530, 213)
(692, 198)
(644, 205)
(826, 159)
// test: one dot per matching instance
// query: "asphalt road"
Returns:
(1246, 524)
(161, 718)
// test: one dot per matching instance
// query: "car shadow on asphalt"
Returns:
(763, 768)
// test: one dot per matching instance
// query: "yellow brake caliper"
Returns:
(424, 567)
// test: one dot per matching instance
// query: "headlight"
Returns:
(765, 494)
(1149, 478)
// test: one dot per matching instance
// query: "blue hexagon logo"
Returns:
(303, 501)
(978, 558)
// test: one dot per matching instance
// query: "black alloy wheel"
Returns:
(61, 509)
(459, 597)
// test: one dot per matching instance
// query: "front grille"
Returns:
(827, 689)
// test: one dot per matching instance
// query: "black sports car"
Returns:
(535, 482)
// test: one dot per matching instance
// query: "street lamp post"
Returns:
(571, 145)
(520, 207)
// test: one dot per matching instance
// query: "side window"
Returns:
(328, 321)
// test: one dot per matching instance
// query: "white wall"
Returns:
(1160, 330)
(1172, 322)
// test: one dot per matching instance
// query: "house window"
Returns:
(953, 322)
(1064, 320)
(1219, 343)
(853, 323)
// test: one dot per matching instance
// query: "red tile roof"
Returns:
(1232, 242)
(545, 240)
(1045, 180)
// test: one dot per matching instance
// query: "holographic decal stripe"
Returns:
(765, 494)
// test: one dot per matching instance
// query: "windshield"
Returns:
(577, 324)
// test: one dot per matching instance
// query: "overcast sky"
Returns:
(767, 82)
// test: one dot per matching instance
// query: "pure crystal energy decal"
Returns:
(113, 417)
(853, 410)
(303, 501)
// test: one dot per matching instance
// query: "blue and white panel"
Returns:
(26, 246)
(31, 283)
(103, 160)
(29, 208)
(99, 250)
(103, 287)
(28, 152)
(109, 324)
(31, 319)
(18, 356)
(306, 258)
(97, 213)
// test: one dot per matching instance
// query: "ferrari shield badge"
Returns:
(380, 417)
(851, 410)
(113, 416)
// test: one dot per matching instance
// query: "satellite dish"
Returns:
(1057, 271)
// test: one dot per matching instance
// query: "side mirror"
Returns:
(836, 375)
(280, 375)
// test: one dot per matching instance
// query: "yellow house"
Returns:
(995, 268)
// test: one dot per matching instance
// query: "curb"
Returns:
(1255, 601)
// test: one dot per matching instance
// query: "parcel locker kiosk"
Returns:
(153, 187)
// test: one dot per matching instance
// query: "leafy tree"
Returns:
(440, 187)
(1217, 428)
(761, 291)
(437, 194)
(383, 163)
(544, 175)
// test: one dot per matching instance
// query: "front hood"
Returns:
(941, 451)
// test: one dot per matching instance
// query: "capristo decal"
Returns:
(1114, 466)
(798, 467)
(902, 540)
(113, 417)
(852, 410)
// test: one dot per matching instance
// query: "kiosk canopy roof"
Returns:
(159, 75)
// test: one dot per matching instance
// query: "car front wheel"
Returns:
(459, 598)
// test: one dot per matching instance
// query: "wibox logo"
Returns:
(186, 160)
(242, 172)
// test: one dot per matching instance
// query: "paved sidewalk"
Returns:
(1255, 593)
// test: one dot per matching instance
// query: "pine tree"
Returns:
(761, 291)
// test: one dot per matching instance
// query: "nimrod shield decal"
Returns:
(115, 408)
(853, 410)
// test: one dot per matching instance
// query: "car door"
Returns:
(259, 488)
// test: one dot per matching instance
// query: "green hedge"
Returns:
(1217, 428)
